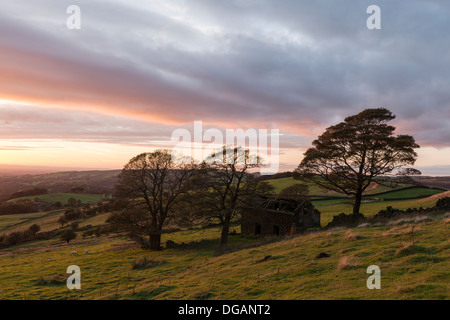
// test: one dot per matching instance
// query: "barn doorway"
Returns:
(257, 229)
(276, 230)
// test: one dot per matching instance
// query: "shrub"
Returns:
(14, 238)
(34, 229)
(62, 221)
(343, 219)
(68, 235)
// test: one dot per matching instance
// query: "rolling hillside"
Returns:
(252, 268)
(63, 197)
(286, 268)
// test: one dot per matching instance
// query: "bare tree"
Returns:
(225, 185)
(297, 192)
(154, 182)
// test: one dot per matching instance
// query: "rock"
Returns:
(171, 244)
(322, 255)
(264, 259)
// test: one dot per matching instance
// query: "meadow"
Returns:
(413, 255)
(37, 271)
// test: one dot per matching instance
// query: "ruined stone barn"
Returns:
(279, 217)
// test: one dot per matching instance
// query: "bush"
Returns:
(347, 220)
(14, 238)
(34, 229)
(70, 215)
(62, 221)
(68, 235)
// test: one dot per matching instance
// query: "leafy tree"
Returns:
(362, 149)
(62, 221)
(68, 235)
(71, 202)
(34, 229)
(154, 182)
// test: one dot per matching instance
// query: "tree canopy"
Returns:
(362, 149)
(154, 181)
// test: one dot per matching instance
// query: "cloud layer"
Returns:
(294, 65)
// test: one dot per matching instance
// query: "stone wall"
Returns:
(261, 221)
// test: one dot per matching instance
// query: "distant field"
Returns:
(15, 219)
(280, 184)
(47, 221)
(372, 208)
(410, 193)
(64, 197)
(415, 197)
(315, 190)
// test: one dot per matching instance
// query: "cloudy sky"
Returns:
(138, 70)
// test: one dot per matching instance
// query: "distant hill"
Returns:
(18, 170)
(62, 197)
(439, 182)
(91, 182)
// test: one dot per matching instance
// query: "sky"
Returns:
(138, 70)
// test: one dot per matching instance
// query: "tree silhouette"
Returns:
(68, 235)
(362, 149)
(297, 192)
(154, 182)
(225, 185)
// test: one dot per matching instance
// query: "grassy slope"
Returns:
(291, 273)
(372, 208)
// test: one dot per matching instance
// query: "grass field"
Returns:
(36, 270)
(292, 272)
(410, 193)
(9, 221)
(369, 207)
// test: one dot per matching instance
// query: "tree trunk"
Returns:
(224, 236)
(357, 205)
(155, 241)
